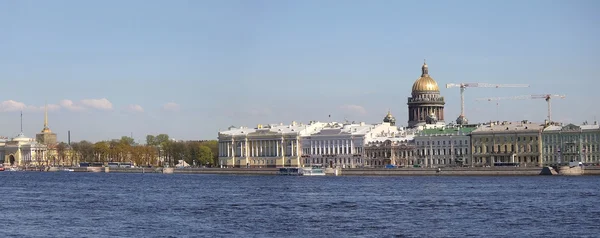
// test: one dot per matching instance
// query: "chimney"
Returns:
(69, 137)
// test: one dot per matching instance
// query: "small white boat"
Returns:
(313, 171)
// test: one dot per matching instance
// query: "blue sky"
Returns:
(189, 68)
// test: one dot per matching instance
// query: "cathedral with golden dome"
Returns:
(426, 105)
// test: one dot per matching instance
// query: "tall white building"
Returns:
(264, 146)
(342, 144)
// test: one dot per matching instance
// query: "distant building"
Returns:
(264, 146)
(398, 151)
(426, 105)
(343, 144)
(563, 144)
(22, 151)
(507, 142)
(446, 146)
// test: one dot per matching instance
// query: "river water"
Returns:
(38, 204)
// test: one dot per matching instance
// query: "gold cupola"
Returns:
(425, 83)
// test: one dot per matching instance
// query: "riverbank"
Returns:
(488, 171)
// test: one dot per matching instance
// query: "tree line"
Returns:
(159, 150)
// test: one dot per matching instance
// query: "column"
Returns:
(261, 148)
(228, 150)
(277, 148)
(298, 149)
(246, 148)
(292, 149)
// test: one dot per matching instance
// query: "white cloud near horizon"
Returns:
(69, 105)
(102, 103)
(354, 109)
(13, 106)
(135, 108)
(171, 106)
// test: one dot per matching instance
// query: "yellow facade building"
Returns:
(507, 143)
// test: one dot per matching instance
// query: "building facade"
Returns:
(265, 145)
(569, 143)
(398, 151)
(426, 105)
(507, 142)
(21, 151)
(343, 144)
(445, 146)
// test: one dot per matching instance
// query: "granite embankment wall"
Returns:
(445, 171)
(490, 171)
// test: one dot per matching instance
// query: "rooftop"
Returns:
(448, 130)
(572, 127)
(503, 127)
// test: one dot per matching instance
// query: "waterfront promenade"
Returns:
(485, 171)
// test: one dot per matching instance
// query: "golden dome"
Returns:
(425, 82)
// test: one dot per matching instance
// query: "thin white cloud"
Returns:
(102, 104)
(12, 106)
(171, 106)
(354, 109)
(135, 108)
(70, 105)
(52, 107)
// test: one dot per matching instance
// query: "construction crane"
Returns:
(546, 97)
(462, 119)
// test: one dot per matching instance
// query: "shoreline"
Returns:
(488, 171)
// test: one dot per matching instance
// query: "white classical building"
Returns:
(22, 151)
(275, 145)
(443, 146)
(563, 144)
(342, 144)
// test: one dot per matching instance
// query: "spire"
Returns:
(46, 128)
(46, 116)
(21, 122)
(424, 69)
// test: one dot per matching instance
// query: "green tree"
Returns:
(206, 155)
(61, 151)
(214, 147)
(161, 139)
(127, 140)
(101, 151)
(151, 140)
(84, 150)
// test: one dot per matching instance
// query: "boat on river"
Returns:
(290, 171)
(313, 171)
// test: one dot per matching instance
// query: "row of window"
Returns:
(460, 142)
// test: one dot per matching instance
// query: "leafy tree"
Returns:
(214, 147)
(84, 150)
(162, 139)
(102, 151)
(61, 152)
(127, 140)
(151, 140)
(206, 155)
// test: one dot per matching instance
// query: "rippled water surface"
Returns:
(161, 205)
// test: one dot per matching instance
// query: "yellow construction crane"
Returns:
(461, 120)
(546, 97)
